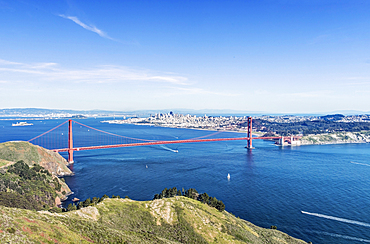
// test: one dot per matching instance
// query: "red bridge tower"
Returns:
(70, 143)
(249, 135)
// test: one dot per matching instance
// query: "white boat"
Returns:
(228, 176)
(21, 124)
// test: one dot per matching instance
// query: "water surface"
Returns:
(316, 193)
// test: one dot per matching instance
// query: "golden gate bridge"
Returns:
(57, 140)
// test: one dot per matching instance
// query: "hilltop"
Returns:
(170, 220)
(13, 151)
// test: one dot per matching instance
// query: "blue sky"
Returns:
(287, 56)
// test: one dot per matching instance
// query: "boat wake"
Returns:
(360, 163)
(169, 149)
(337, 219)
(352, 238)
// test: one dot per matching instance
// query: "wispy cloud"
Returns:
(6, 62)
(41, 74)
(87, 27)
(100, 74)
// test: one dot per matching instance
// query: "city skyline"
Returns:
(267, 56)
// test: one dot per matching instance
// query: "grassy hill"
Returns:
(169, 220)
(15, 151)
(17, 188)
(28, 180)
(4, 162)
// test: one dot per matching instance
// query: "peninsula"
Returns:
(328, 129)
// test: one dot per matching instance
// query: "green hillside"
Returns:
(28, 181)
(37, 181)
(4, 162)
(168, 220)
(15, 151)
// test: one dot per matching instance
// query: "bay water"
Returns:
(318, 193)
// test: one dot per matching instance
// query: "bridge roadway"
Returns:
(163, 142)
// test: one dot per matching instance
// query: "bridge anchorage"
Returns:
(110, 140)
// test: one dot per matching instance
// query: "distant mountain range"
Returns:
(48, 112)
(26, 112)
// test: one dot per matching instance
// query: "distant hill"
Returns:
(44, 112)
(333, 117)
(20, 112)
(170, 220)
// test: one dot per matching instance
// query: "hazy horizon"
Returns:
(223, 112)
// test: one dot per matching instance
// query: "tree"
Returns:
(220, 206)
(87, 202)
(204, 198)
(103, 197)
(37, 167)
(22, 169)
(80, 205)
(164, 193)
(212, 202)
(173, 192)
(55, 210)
(71, 207)
(156, 196)
(191, 193)
(95, 200)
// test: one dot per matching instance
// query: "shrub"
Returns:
(55, 210)
(192, 193)
(11, 230)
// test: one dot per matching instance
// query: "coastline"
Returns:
(315, 139)
(336, 138)
(173, 126)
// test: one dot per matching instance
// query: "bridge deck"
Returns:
(164, 142)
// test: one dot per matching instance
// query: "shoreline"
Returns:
(175, 127)
(314, 139)
(336, 138)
